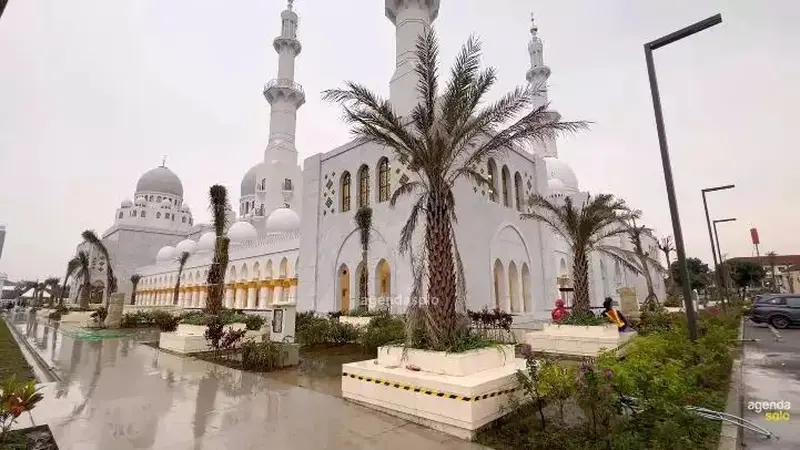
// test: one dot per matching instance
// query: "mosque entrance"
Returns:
(383, 283)
(344, 288)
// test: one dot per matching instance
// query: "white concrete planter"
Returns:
(456, 393)
(81, 317)
(442, 363)
(355, 321)
(191, 338)
(576, 340)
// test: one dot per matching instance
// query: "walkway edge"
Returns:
(40, 366)
(730, 435)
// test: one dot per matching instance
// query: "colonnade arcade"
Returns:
(245, 287)
(512, 287)
(349, 292)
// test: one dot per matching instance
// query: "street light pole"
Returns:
(714, 249)
(716, 234)
(667, 165)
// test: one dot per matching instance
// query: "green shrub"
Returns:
(654, 322)
(383, 330)
(584, 319)
(557, 383)
(673, 301)
(312, 330)
(254, 322)
(165, 321)
(342, 333)
(262, 356)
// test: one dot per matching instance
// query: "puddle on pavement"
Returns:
(320, 368)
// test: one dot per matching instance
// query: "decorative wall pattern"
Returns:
(329, 194)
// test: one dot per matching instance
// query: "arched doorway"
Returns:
(499, 285)
(527, 301)
(344, 288)
(513, 287)
(383, 283)
(362, 288)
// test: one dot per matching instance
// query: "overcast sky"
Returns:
(94, 92)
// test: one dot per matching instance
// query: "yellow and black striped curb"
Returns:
(427, 391)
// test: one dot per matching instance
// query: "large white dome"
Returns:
(248, 186)
(242, 232)
(160, 180)
(165, 254)
(283, 220)
(206, 242)
(558, 169)
(186, 245)
(555, 185)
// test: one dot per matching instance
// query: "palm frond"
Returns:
(624, 257)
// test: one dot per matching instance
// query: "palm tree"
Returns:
(51, 286)
(72, 265)
(584, 229)
(181, 263)
(772, 259)
(442, 141)
(218, 196)
(643, 260)
(111, 282)
(666, 246)
(135, 278)
(82, 267)
(363, 220)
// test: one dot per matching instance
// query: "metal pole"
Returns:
(716, 238)
(711, 238)
(683, 268)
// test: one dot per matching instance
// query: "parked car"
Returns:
(778, 310)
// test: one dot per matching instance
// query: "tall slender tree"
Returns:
(218, 199)
(641, 258)
(442, 141)
(667, 247)
(72, 265)
(82, 270)
(585, 228)
(51, 287)
(772, 259)
(363, 218)
(111, 281)
(181, 264)
(135, 278)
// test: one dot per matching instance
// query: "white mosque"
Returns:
(296, 239)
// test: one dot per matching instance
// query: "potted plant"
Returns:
(16, 398)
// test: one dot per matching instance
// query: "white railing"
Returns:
(283, 83)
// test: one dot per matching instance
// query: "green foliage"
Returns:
(673, 301)
(312, 330)
(557, 383)
(226, 316)
(530, 380)
(654, 322)
(342, 333)
(383, 330)
(12, 361)
(745, 273)
(165, 321)
(262, 356)
(16, 397)
(254, 322)
(699, 276)
(587, 319)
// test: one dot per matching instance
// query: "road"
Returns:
(771, 372)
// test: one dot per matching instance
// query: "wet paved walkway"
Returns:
(771, 372)
(117, 394)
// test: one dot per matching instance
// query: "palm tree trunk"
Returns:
(216, 277)
(651, 301)
(133, 293)
(84, 295)
(364, 281)
(580, 274)
(441, 266)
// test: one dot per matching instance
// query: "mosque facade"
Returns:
(296, 241)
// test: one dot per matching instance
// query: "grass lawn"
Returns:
(12, 362)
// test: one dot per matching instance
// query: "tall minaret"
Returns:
(411, 19)
(284, 95)
(537, 77)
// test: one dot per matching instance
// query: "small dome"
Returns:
(141, 201)
(282, 220)
(165, 254)
(166, 203)
(561, 171)
(206, 242)
(242, 232)
(186, 245)
(185, 209)
(248, 186)
(160, 180)
(127, 203)
(555, 185)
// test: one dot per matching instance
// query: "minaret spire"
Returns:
(537, 77)
(284, 95)
(411, 19)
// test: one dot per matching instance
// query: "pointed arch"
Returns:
(384, 173)
(231, 275)
(505, 180)
(513, 288)
(268, 271)
(343, 288)
(383, 281)
(243, 272)
(499, 285)
(518, 191)
(257, 271)
(296, 266)
(283, 269)
(345, 191)
(363, 186)
(527, 301)
(491, 168)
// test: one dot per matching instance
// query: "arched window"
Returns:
(166, 215)
(383, 180)
(151, 198)
(158, 199)
(143, 214)
(518, 193)
(120, 215)
(345, 192)
(133, 213)
(363, 186)
(492, 172)
(183, 219)
(158, 215)
(504, 180)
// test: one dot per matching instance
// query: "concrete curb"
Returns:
(41, 369)
(730, 435)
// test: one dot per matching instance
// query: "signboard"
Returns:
(754, 236)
